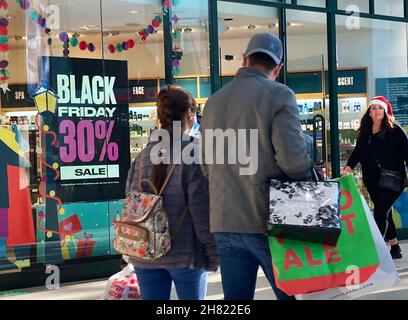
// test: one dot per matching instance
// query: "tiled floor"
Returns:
(93, 290)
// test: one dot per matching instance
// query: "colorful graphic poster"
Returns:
(92, 127)
(85, 229)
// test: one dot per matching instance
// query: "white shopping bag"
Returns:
(385, 277)
(123, 285)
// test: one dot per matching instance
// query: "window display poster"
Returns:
(91, 125)
(396, 91)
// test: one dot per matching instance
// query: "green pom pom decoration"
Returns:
(66, 45)
(34, 15)
(73, 42)
(3, 39)
(119, 47)
(5, 72)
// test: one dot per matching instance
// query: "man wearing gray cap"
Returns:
(239, 209)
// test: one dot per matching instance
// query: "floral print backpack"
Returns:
(143, 232)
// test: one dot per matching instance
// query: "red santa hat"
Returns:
(383, 102)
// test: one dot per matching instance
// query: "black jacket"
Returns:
(391, 150)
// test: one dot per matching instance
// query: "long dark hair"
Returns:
(366, 126)
(173, 102)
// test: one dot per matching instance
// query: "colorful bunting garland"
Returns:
(141, 36)
(176, 36)
(4, 46)
(63, 36)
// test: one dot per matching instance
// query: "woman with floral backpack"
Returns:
(184, 192)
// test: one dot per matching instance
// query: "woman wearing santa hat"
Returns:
(382, 151)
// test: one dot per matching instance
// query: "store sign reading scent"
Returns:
(92, 126)
(346, 81)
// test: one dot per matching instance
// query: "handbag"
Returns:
(305, 210)
(389, 179)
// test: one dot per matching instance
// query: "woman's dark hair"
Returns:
(365, 130)
(173, 102)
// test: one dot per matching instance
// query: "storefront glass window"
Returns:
(237, 24)
(307, 65)
(382, 61)
(312, 3)
(350, 5)
(80, 85)
(389, 7)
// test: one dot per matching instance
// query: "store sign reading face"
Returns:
(138, 91)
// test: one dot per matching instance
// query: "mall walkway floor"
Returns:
(93, 290)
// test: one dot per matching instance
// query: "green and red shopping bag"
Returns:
(304, 267)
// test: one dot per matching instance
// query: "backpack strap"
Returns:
(173, 167)
(139, 185)
(180, 219)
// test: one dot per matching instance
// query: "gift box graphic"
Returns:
(85, 246)
(70, 226)
(305, 210)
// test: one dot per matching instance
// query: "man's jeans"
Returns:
(240, 257)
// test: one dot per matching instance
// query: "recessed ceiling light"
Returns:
(133, 12)
(251, 27)
(132, 24)
(88, 27)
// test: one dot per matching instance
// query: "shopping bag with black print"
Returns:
(385, 277)
(304, 267)
(305, 210)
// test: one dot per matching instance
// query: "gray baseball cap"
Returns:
(265, 43)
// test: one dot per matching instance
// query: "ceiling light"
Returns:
(133, 12)
(115, 33)
(251, 27)
(10, 17)
(188, 29)
(18, 38)
(271, 25)
(88, 27)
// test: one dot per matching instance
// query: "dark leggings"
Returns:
(383, 200)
